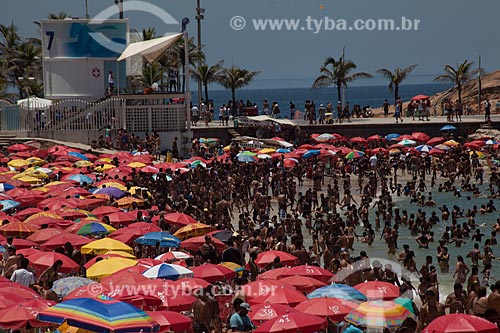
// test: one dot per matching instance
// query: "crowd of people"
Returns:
(324, 211)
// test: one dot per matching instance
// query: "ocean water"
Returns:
(373, 96)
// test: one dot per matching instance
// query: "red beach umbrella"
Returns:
(43, 260)
(334, 309)
(420, 136)
(23, 314)
(19, 243)
(194, 243)
(263, 288)
(303, 283)
(267, 311)
(309, 271)
(462, 323)
(180, 219)
(44, 235)
(122, 218)
(170, 321)
(213, 273)
(58, 241)
(280, 295)
(293, 322)
(378, 290)
(267, 257)
(419, 97)
(435, 141)
(272, 274)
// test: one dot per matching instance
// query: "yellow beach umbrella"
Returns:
(56, 183)
(44, 214)
(234, 267)
(122, 254)
(35, 161)
(227, 148)
(17, 163)
(479, 154)
(136, 165)
(32, 173)
(27, 179)
(452, 143)
(104, 167)
(113, 184)
(83, 164)
(108, 266)
(267, 151)
(104, 160)
(104, 245)
(42, 189)
(193, 230)
(134, 189)
(127, 201)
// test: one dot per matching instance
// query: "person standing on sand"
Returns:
(397, 110)
(385, 106)
(487, 111)
(175, 149)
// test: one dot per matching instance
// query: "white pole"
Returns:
(187, 94)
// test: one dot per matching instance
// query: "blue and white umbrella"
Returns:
(78, 155)
(81, 179)
(423, 148)
(448, 128)
(341, 291)
(246, 159)
(311, 153)
(4, 187)
(8, 204)
(392, 136)
(168, 271)
(65, 286)
(164, 239)
(283, 150)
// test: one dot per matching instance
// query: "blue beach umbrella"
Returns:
(448, 128)
(79, 156)
(8, 204)
(164, 239)
(423, 148)
(168, 271)
(81, 179)
(4, 187)
(311, 153)
(65, 286)
(246, 159)
(392, 136)
(341, 291)
(283, 150)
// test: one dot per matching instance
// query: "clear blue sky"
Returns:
(450, 31)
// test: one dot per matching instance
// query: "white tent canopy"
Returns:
(34, 103)
(150, 49)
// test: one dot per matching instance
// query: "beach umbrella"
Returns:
(406, 302)
(213, 273)
(120, 218)
(194, 243)
(379, 315)
(419, 97)
(490, 142)
(42, 260)
(44, 235)
(406, 142)
(180, 219)
(173, 256)
(246, 159)
(104, 245)
(423, 148)
(325, 137)
(392, 136)
(95, 228)
(334, 309)
(59, 240)
(81, 178)
(193, 230)
(104, 210)
(100, 314)
(124, 277)
(110, 191)
(375, 137)
(5, 187)
(187, 284)
(223, 235)
(18, 290)
(272, 274)
(159, 238)
(168, 271)
(18, 147)
(267, 311)
(89, 291)
(20, 229)
(171, 321)
(293, 322)
(108, 266)
(463, 323)
(378, 290)
(150, 169)
(442, 147)
(65, 286)
(358, 139)
(420, 136)
(110, 254)
(20, 315)
(283, 150)
(267, 257)
(451, 143)
(8, 204)
(448, 128)
(20, 243)
(258, 288)
(280, 295)
(354, 154)
(436, 151)
(341, 291)
(311, 153)
(303, 283)
(315, 272)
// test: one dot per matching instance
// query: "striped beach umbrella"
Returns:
(379, 315)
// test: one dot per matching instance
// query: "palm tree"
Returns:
(4, 95)
(151, 73)
(175, 57)
(458, 76)
(339, 74)
(60, 16)
(27, 64)
(149, 33)
(396, 77)
(207, 74)
(235, 78)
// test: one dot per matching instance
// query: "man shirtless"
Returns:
(431, 309)
(202, 313)
(457, 300)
